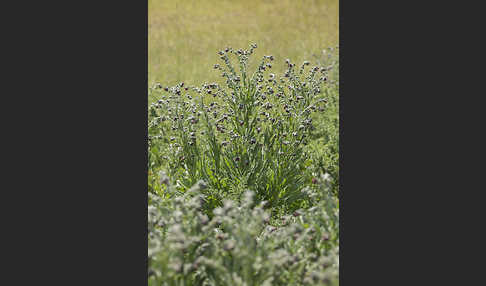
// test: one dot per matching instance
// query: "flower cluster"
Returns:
(249, 134)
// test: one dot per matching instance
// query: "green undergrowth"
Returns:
(244, 176)
(268, 133)
(240, 244)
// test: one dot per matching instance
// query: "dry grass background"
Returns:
(185, 35)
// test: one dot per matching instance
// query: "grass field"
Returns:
(243, 158)
(184, 35)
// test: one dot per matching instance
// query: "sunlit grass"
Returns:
(184, 35)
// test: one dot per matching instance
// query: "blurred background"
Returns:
(185, 35)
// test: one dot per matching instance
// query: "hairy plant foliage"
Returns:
(240, 245)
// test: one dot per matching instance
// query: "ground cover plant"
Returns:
(243, 174)
(239, 245)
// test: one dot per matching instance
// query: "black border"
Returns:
(78, 181)
(78, 133)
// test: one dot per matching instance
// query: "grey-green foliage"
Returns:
(240, 245)
(251, 133)
(324, 145)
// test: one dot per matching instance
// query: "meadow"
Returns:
(243, 156)
(184, 36)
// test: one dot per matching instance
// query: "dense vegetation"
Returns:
(243, 175)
